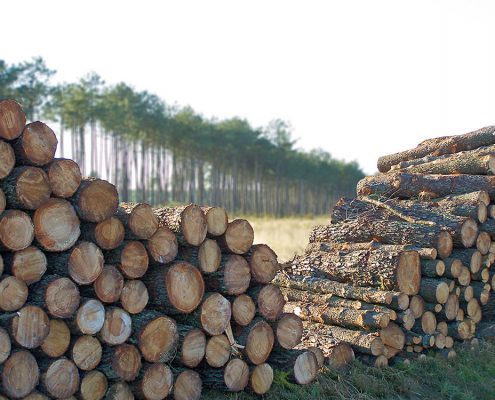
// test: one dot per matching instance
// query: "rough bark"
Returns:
(26, 188)
(234, 378)
(64, 176)
(432, 268)
(435, 290)
(303, 365)
(470, 258)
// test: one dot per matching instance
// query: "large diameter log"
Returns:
(188, 386)
(233, 278)
(163, 246)
(193, 348)
(7, 159)
(234, 378)
(270, 301)
(215, 314)
(107, 234)
(261, 379)
(325, 286)
(399, 271)
(134, 296)
(122, 362)
(189, 222)
(218, 351)
(404, 185)
(5, 345)
(132, 258)
(30, 327)
(117, 326)
(94, 385)
(36, 145)
(28, 265)
(238, 238)
(289, 331)
(95, 200)
(12, 119)
(58, 340)
(26, 188)
(86, 352)
(440, 146)
(155, 382)
(243, 309)
(108, 286)
(89, 318)
(56, 225)
(258, 340)
(64, 176)
(386, 231)
(139, 219)
(59, 378)
(16, 230)
(20, 374)
(303, 365)
(58, 295)
(216, 220)
(13, 293)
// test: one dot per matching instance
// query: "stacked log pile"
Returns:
(100, 301)
(406, 265)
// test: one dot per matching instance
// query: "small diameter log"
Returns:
(188, 222)
(289, 331)
(58, 340)
(483, 242)
(215, 314)
(30, 327)
(216, 220)
(218, 351)
(64, 176)
(233, 278)
(467, 293)
(108, 286)
(134, 296)
(163, 246)
(139, 219)
(117, 326)
(122, 362)
(270, 301)
(95, 200)
(209, 256)
(119, 391)
(453, 267)
(13, 293)
(325, 286)
(28, 265)
(5, 345)
(427, 324)
(56, 225)
(238, 238)
(188, 386)
(94, 385)
(156, 336)
(86, 352)
(393, 336)
(20, 374)
(376, 362)
(432, 268)
(12, 119)
(243, 309)
(7, 159)
(36, 145)
(26, 188)
(417, 305)
(234, 378)
(59, 295)
(389, 232)
(107, 234)
(16, 230)
(90, 318)
(132, 258)
(464, 278)
(263, 263)
(261, 379)
(193, 348)
(434, 290)
(59, 378)
(155, 382)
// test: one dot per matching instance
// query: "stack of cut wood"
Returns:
(405, 266)
(100, 300)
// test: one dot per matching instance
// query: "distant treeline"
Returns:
(160, 154)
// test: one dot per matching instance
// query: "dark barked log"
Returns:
(86, 352)
(489, 227)
(156, 335)
(386, 231)
(121, 362)
(84, 263)
(95, 200)
(58, 340)
(233, 378)
(467, 292)
(207, 256)
(325, 286)
(432, 268)
(453, 267)
(134, 296)
(471, 308)
(263, 263)
(117, 327)
(435, 290)
(257, 340)
(218, 351)
(406, 319)
(295, 295)
(162, 246)
(94, 385)
(427, 253)
(154, 382)
(232, 278)
(5, 345)
(107, 234)
(192, 346)
(238, 238)
(269, 299)
(56, 225)
(139, 219)
(36, 145)
(119, 391)
(216, 220)
(482, 275)
(441, 146)
(188, 385)
(302, 364)
(261, 379)
(243, 309)
(345, 317)
(188, 222)
(404, 185)
(12, 119)
(89, 318)
(377, 362)
(386, 270)
(7, 159)
(13, 293)
(64, 176)
(460, 330)
(175, 289)
(20, 223)
(132, 258)
(20, 374)
(58, 295)
(288, 331)
(28, 327)
(26, 188)
(59, 377)
(477, 290)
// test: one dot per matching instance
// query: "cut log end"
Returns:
(64, 177)
(126, 362)
(12, 119)
(216, 221)
(117, 326)
(341, 355)
(193, 225)
(409, 272)
(85, 263)
(193, 348)
(271, 302)
(210, 256)
(185, 286)
(134, 260)
(305, 368)
(216, 312)
(236, 375)
(483, 242)
(29, 265)
(94, 385)
(20, 374)
(62, 298)
(289, 331)
(261, 378)
(108, 286)
(157, 382)
(30, 327)
(7, 159)
(142, 221)
(188, 386)
(259, 342)
(392, 336)
(32, 187)
(61, 380)
(445, 244)
(109, 233)
(16, 230)
(417, 306)
(13, 293)
(243, 309)
(163, 246)
(86, 352)
(483, 212)
(469, 232)
(90, 317)
(236, 275)
(218, 351)
(97, 200)
(134, 296)
(263, 263)
(158, 339)
(239, 236)
(429, 323)
(58, 340)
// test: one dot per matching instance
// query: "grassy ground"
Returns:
(470, 376)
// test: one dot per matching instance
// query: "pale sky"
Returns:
(359, 78)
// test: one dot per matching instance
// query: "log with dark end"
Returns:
(64, 176)
(20, 374)
(95, 200)
(434, 290)
(238, 238)
(26, 188)
(117, 326)
(163, 246)
(58, 340)
(16, 230)
(119, 391)
(188, 386)
(60, 378)
(134, 296)
(189, 222)
(7, 159)
(36, 145)
(12, 119)
(216, 220)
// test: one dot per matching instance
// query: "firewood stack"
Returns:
(407, 265)
(100, 301)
